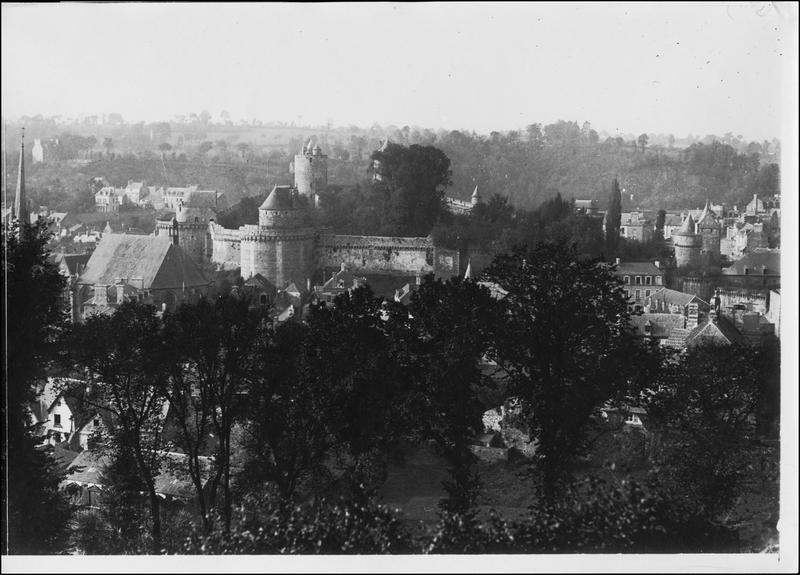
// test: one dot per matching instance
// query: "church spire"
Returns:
(21, 201)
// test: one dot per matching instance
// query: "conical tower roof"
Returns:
(687, 229)
(279, 199)
(475, 195)
(468, 273)
(707, 217)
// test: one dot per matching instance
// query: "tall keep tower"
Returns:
(710, 231)
(310, 170)
(281, 246)
(688, 244)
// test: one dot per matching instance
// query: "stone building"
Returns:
(710, 232)
(284, 247)
(149, 269)
(310, 170)
(457, 206)
(688, 244)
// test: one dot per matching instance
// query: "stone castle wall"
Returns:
(378, 254)
(226, 247)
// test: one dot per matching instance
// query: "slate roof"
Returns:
(662, 325)
(720, 331)
(674, 297)
(258, 281)
(279, 199)
(159, 263)
(72, 261)
(771, 259)
(638, 268)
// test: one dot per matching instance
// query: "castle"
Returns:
(698, 242)
(284, 247)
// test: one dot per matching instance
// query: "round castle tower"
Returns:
(711, 233)
(310, 170)
(190, 225)
(281, 246)
(688, 244)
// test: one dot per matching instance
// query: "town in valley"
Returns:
(233, 335)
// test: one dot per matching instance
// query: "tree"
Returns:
(642, 141)
(454, 320)
(613, 218)
(661, 217)
(108, 144)
(164, 147)
(122, 355)
(565, 346)
(704, 405)
(34, 514)
(212, 364)
(411, 182)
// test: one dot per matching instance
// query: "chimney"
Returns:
(616, 261)
(343, 267)
(397, 295)
(419, 279)
(174, 233)
(657, 264)
(692, 317)
(120, 287)
(100, 294)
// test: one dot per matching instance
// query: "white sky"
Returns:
(668, 68)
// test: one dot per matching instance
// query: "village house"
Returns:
(759, 269)
(636, 226)
(58, 410)
(641, 279)
(149, 269)
(109, 199)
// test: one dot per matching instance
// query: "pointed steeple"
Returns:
(476, 197)
(706, 217)
(687, 229)
(468, 273)
(21, 201)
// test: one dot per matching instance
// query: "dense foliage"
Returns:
(564, 344)
(34, 514)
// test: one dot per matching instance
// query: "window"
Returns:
(96, 422)
(638, 294)
(263, 299)
(647, 293)
(638, 280)
(648, 280)
(628, 280)
(56, 420)
(633, 419)
(627, 293)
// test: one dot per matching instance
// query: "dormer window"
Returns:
(56, 420)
